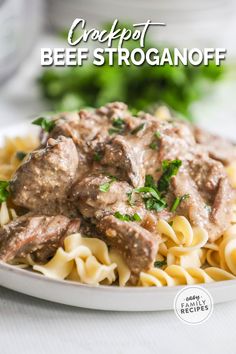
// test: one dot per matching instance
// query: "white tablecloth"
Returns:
(28, 325)
(31, 326)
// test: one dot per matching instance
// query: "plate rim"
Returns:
(37, 276)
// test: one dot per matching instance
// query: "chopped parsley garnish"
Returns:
(159, 264)
(118, 126)
(149, 190)
(20, 155)
(178, 200)
(153, 145)
(118, 123)
(105, 187)
(151, 195)
(137, 129)
(122, 217)
(149, 182)
(45, 124)
(97, 157)
(136, 217)
(126, 217)
(155, 141)
(4, 193)
(170, 169)
(114, 131)
(157, 134)
(155, 204)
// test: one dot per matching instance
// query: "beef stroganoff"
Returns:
(106, 197)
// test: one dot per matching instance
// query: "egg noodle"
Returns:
(13, 152)
(184, 257)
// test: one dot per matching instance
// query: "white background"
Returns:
(32, 326)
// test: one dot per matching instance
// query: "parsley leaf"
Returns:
(170, 169)
(45, 124)
(159, 264)
(136, 217)
(118, 126)
(105, 187)
(118, 123)
(154, 204)
(157, 134)
(4, 193)
(137, 129)
(113, 131)
(126, 217)
(149, 182)
(154, 143)
(151, 195)
(149, 190)
(177, 202)
(20, 155)
(122, 217)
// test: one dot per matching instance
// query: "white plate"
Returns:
(103, 297)
(100, 297)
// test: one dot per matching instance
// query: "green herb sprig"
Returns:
(155, 141)
(118, 126)
(170, 169)
(178, 201)
(4, 193)
(46, 124)
(20, 155)
(138, 128)
(159, 264)
(151, 196)
(105, 187)
(126, 217)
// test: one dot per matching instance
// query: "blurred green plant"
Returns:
(141, 87)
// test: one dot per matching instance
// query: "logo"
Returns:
(193, 305)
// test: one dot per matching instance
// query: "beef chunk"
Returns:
(194, 207)
(39, 236)
(206, 173)
(200, 176)
(85, 125)
(42, 182)
(218, 148)
(137, 245)
(164, 140)
(88, 125)
(222, 209)
(176, 142)
(127, 158)
(210, 196)
(95, 203)
(66, 124)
